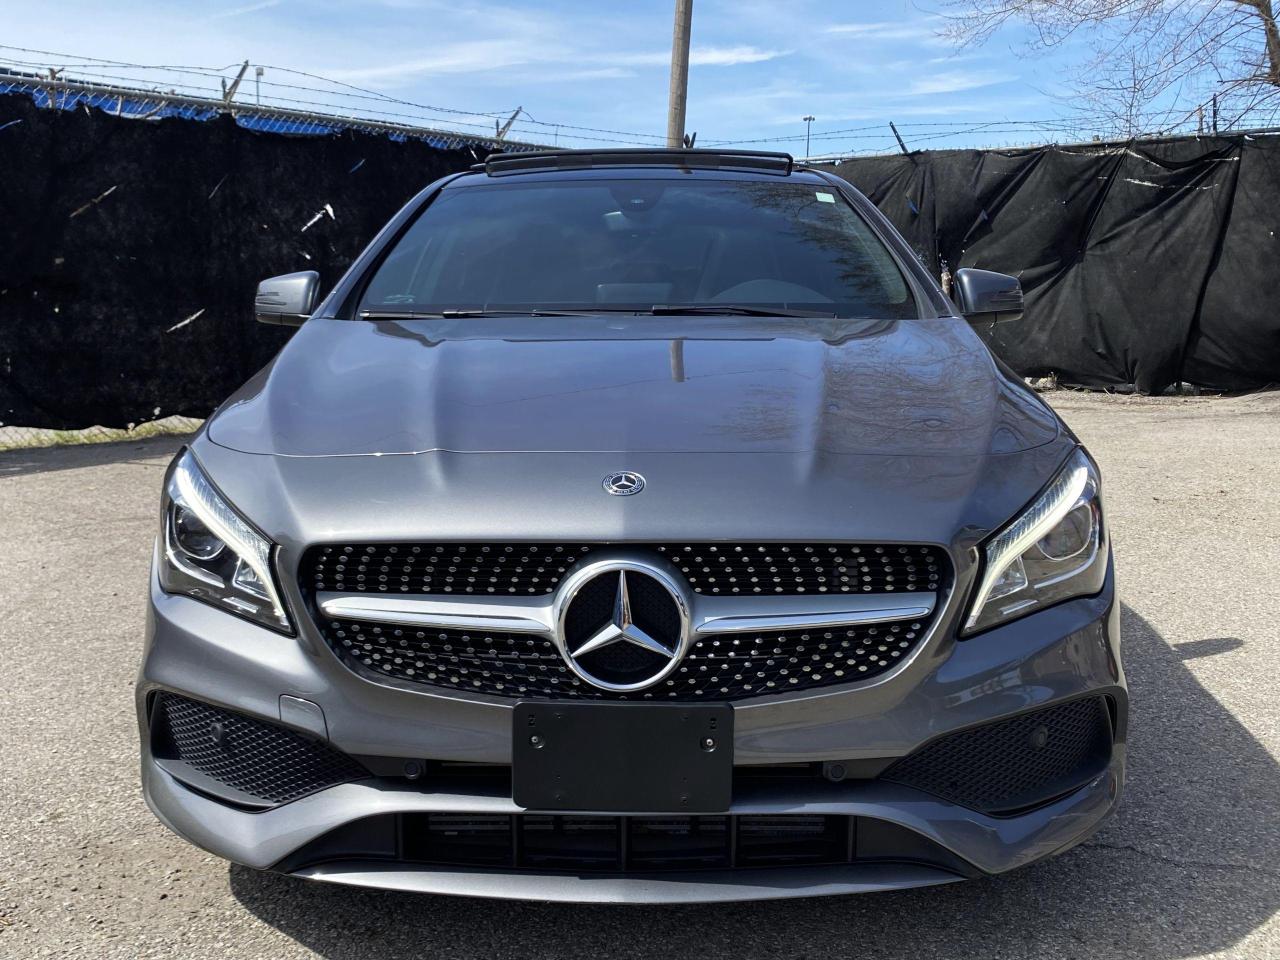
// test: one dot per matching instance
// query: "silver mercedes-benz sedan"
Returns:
(640, 527)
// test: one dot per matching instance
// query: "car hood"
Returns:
(633, 385)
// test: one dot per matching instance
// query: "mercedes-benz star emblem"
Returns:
(622, 628)
(624, 483)
(622, 624)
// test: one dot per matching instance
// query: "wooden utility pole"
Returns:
(679, 74)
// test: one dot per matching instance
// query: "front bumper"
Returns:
(1057, 655)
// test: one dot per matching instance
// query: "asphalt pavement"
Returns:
(1188, 867)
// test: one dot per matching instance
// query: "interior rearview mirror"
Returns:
(988, 297)
(287, 299)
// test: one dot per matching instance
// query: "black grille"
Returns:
(622, 845)
(528, 569)
(242, 759)
(721, 667)
(1014, 764)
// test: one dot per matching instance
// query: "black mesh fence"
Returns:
(132, 248)
(1146, 264)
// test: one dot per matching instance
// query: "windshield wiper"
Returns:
(733, 309)
(478, 312)
(657, 310)
(398, 315)
(472, 313)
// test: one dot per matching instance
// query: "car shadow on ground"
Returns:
(1187, 866)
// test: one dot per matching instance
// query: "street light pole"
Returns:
(679, 74)
(808, 122)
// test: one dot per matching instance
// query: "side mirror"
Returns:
(985, 296)
(288, 299)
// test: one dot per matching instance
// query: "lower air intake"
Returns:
(240, 759)
(640, 845)
(1014, 764)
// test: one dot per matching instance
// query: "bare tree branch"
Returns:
(1150, 64)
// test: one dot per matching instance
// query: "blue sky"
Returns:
(758, 66)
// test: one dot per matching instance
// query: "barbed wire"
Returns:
(144, 105)
(525, 122)
(84, 62)
(320, 109)
(339, 101)
(881, 130)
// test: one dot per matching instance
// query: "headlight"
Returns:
(210, 552)
(1052, 552)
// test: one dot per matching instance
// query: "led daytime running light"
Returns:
(197, 494)
(1035, 522)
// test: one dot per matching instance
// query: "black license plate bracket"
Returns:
(622, 757)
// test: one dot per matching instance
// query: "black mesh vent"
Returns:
(255, 761)
(1014, 764)
(528, 569)
(591, 608)
(724, 667)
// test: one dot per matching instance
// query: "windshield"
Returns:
(640, 246)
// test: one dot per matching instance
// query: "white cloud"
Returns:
(955, 58)
(730, 56)
(920, 32)
(954, 81)
(467, 57)
(476, 56)
(554, 75)
(698, 57)
(921, 29)
(239, 11)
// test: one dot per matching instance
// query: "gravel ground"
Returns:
(1190, 866)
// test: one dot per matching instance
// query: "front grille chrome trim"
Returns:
(710, 615)
(713, 615)
(441, 611)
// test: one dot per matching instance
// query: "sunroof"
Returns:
(759, 161)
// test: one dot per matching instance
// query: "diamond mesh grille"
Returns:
(531, 569)
(1013, 763)
(723, 667)
(267, 762)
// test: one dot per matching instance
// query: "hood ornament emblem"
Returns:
(624, 483)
